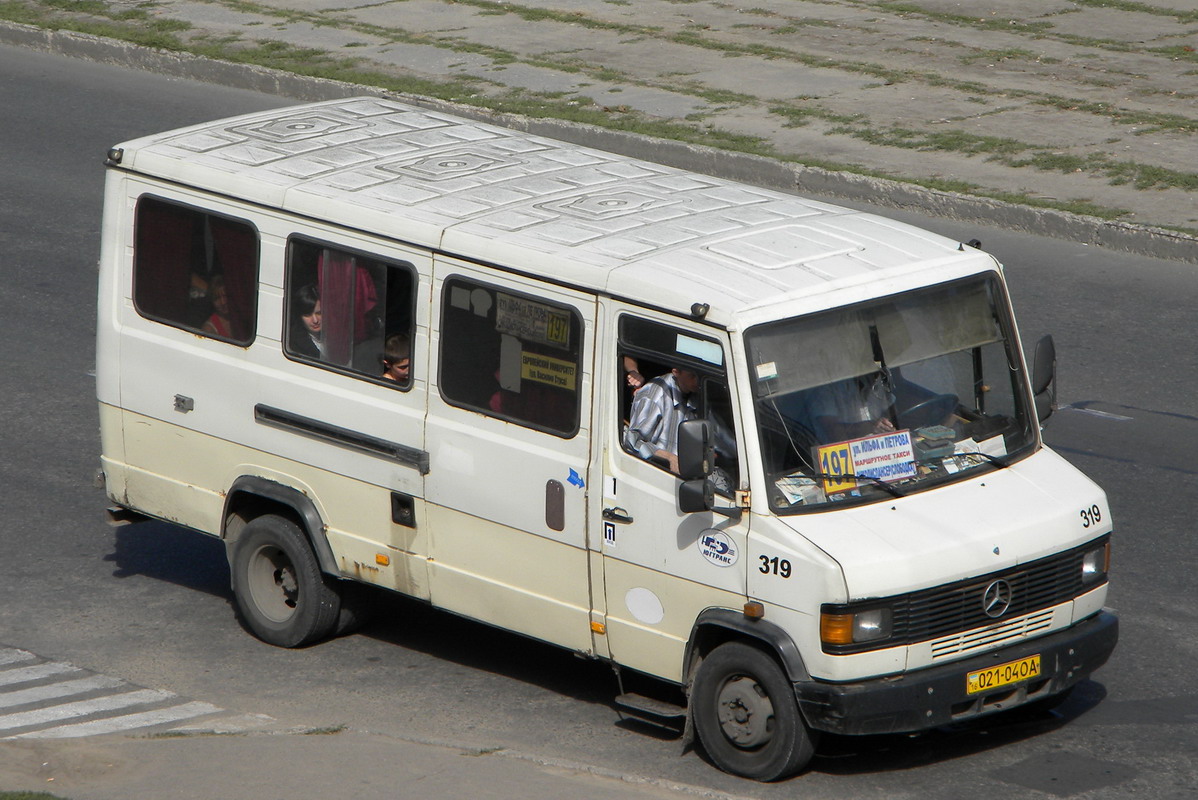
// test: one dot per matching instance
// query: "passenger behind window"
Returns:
(397, 361)
(218, 322)
(306, 334)
(658, 408)
(186, 262)
(633, 379)
(632, 374)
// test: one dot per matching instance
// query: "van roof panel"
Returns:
(600, 220)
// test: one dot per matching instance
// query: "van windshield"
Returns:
(888, 397)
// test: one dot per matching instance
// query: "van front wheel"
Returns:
(746, 715)
(281, 594)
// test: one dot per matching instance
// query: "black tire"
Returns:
(746, 714)
(281, 594)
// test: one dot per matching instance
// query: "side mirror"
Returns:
(1044, 378)
(696, 495)
(696, 449)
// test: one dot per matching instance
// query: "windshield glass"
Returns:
(889, 397)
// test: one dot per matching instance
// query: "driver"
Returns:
(852, 408)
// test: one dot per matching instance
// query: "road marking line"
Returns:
(11, 655)
(23, 674)
(83, 707)
(1094, 412)
(50, 709)
(53, 691)
(123, 723)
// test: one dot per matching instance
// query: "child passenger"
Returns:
(397, 362)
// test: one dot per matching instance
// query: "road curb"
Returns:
(564, 764)
(757, 170)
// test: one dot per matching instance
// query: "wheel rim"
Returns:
(273, 584)
(745, 713)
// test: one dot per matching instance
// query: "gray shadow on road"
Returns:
(169, 553)
(416, 626)
(859, 755)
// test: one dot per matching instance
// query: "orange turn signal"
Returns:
(836, 628)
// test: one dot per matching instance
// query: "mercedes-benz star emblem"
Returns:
(996, 599)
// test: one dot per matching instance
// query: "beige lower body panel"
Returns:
(650, 616)
(510, 578)
(182, 476)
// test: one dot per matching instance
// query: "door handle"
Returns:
(617, 514)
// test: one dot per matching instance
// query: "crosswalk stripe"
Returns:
(123, 723)
(23, 674)
(42, 699)
(53, 691)
(83, 708)
(12, 655)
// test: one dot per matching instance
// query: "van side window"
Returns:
(669, 375)
(511, 356)
(195, 270)
(349, 311)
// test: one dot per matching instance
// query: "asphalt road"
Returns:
(150, 603)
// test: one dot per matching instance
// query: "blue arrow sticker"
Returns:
(575, 480)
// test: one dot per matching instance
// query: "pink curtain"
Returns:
(237, 250)
(347, 295)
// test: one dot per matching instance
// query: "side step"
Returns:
(657, 712)
(119, 515)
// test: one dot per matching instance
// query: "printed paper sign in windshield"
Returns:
(884, 457)
(530, 321)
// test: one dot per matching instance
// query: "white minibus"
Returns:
(781, 456)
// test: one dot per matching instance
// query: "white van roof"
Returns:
(583, 217)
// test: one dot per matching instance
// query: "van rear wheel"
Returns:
(746, 715)
(281, 594)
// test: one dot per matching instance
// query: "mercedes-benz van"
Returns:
(365, 342)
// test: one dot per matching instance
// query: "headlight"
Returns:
(1096, 563)
(858, 627)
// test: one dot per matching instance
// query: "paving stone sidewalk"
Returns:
(1087, 106)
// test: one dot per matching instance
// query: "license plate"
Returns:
(1003, 675)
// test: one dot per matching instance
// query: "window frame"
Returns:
(709, 373)
(254, 281)
(578, 351)
(388, 263)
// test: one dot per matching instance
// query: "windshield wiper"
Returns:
(1001, 463)
(881, 484)
(995, 460)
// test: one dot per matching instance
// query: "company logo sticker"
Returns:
(717, 548)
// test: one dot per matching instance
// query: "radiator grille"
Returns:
(994, 636)
(943, 614)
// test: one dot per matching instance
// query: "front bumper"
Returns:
(934, 696)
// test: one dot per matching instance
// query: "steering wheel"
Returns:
(929, 411)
